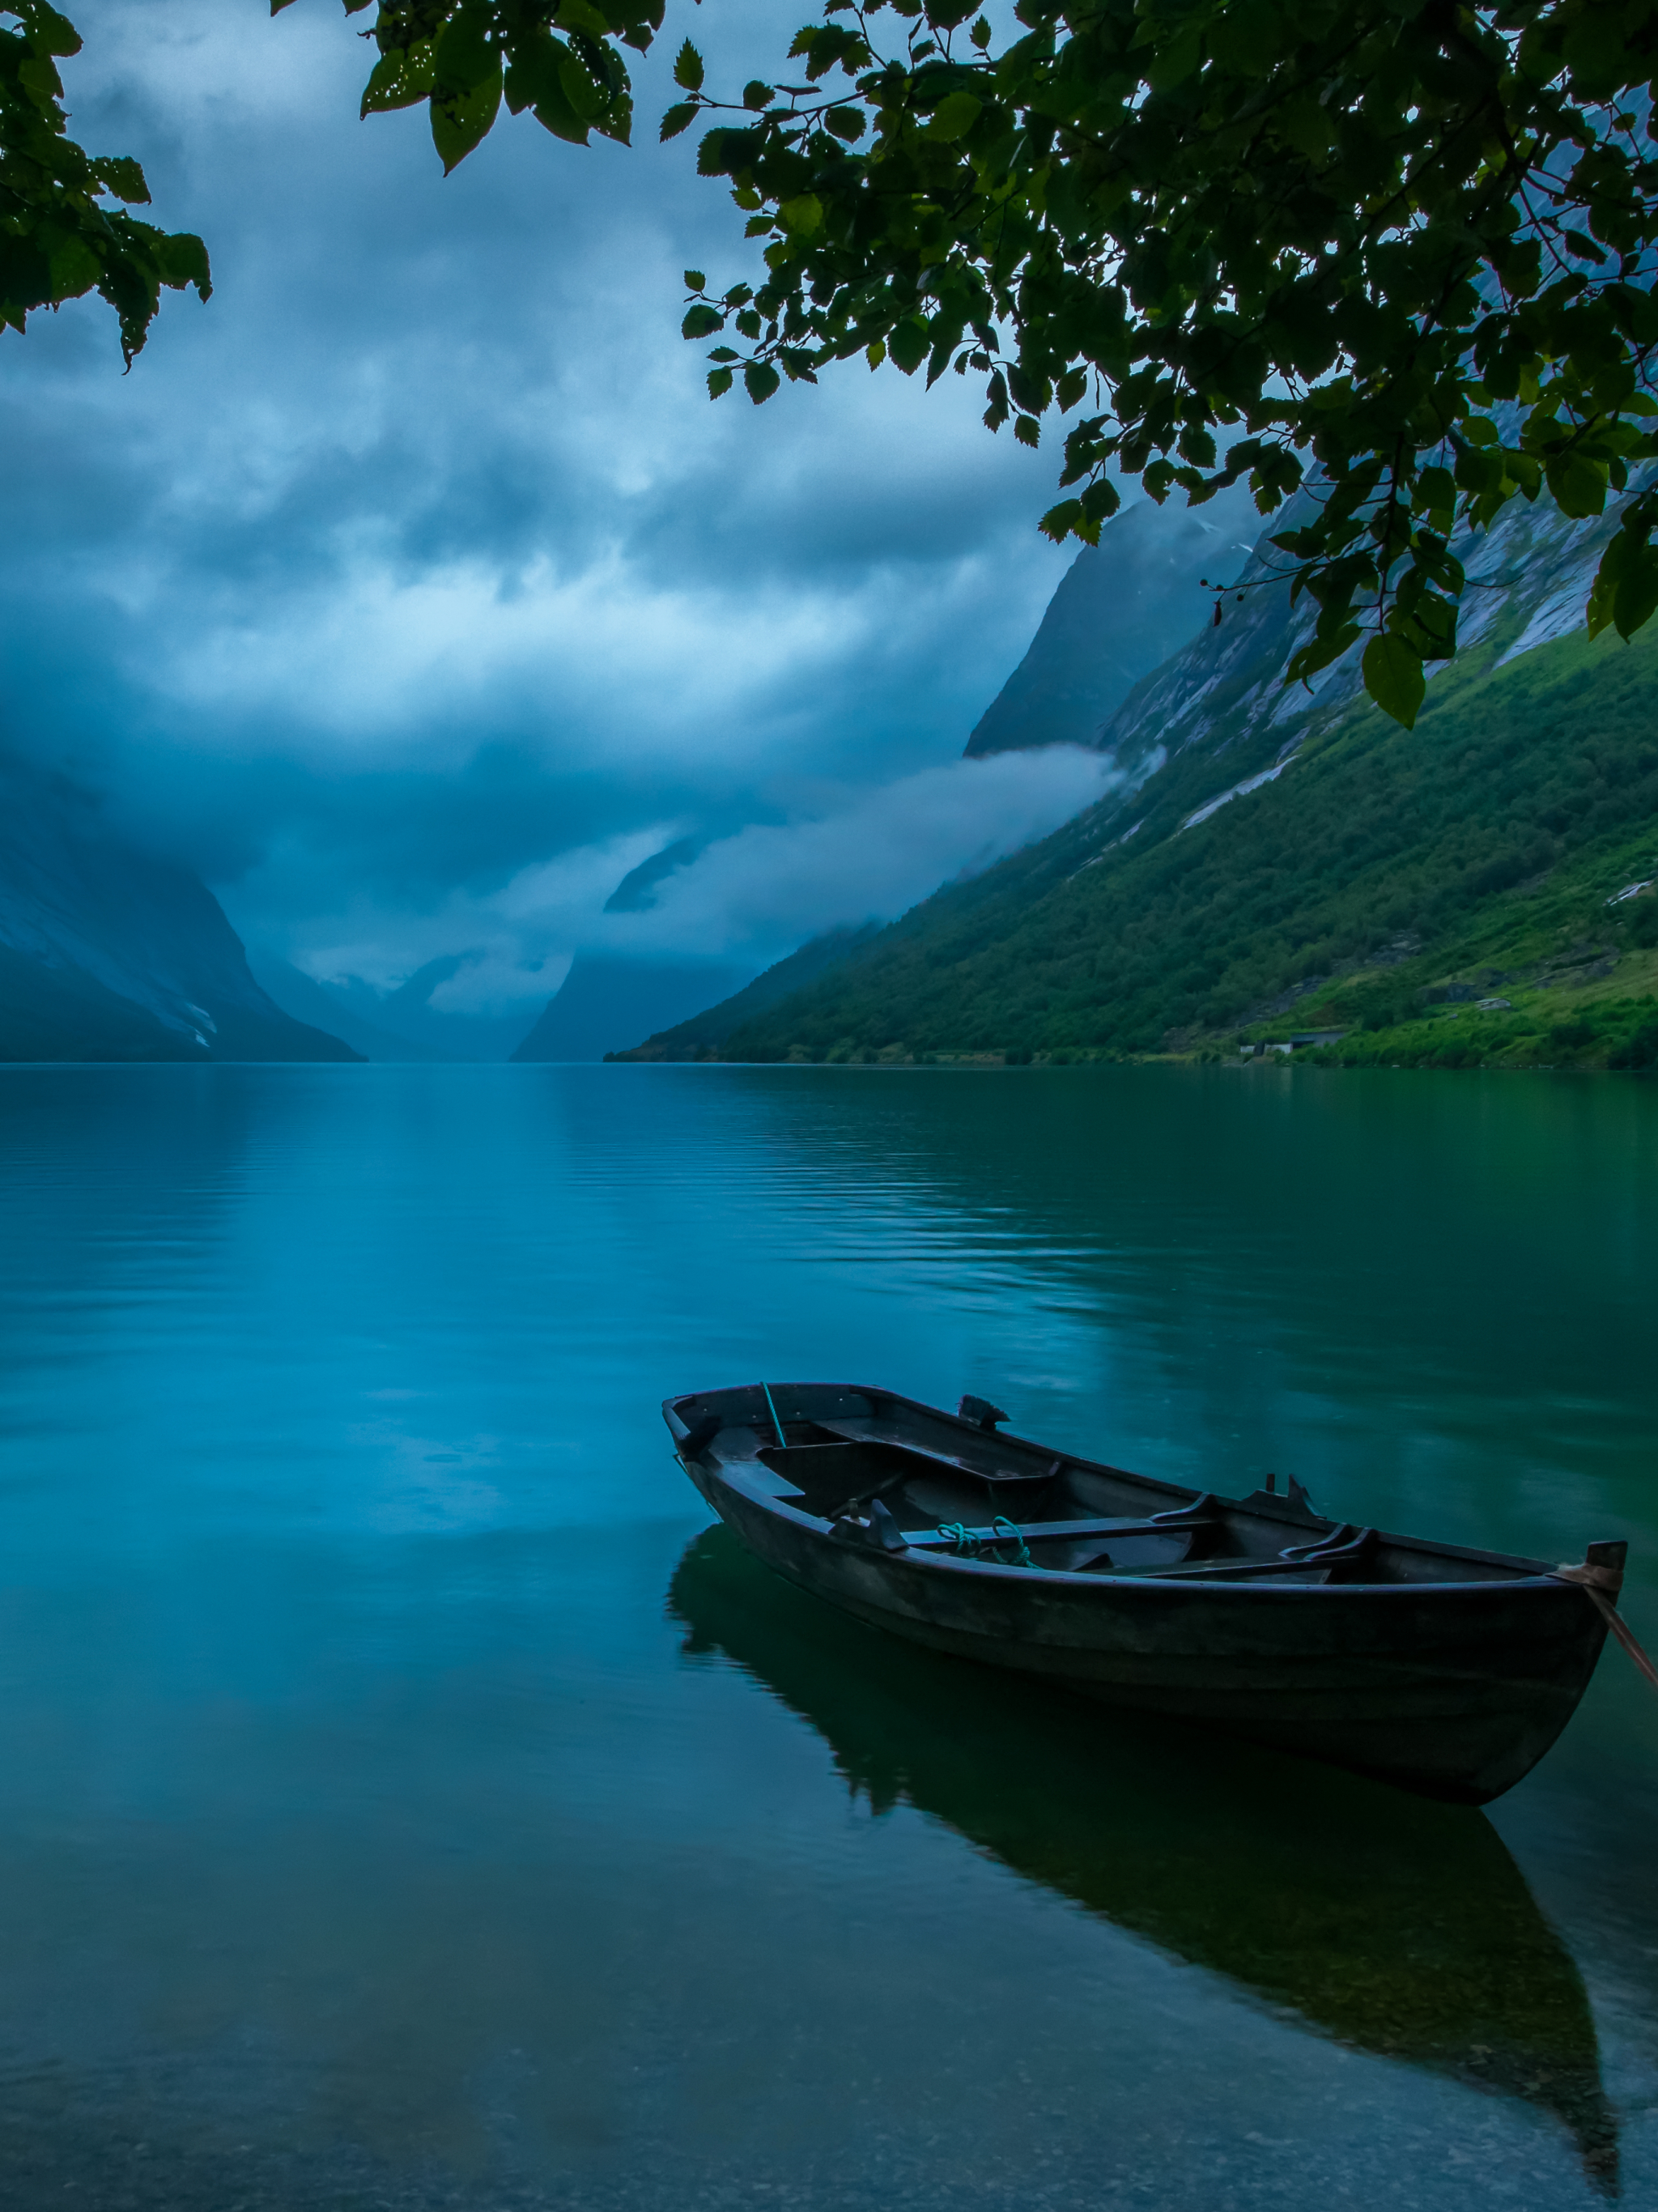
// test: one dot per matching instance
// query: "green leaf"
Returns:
(1176, 61)
(678, 118)
(954, 117)
(586, 98)
(1603, 591)
(701, 321)
(532, 71)
(1638, 591)
(1061, 521)
(1435, 492)
(720, 383)
(1625, 588)
(760, 380)
(48, 29)
(1394, 678)
(462, 119)
(802, 215)
(182, 260)
(582, 15)
(1319, 652)
(688, 69)
(73, 269)
(123, 180)
(554, 112)
(464, 59)
(1577, 486)
(401, 78)
(909, 343)
(695, 281)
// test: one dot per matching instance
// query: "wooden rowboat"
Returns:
(1445, 1670)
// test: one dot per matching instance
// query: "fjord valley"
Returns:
(1274, 863)
(1267, 866)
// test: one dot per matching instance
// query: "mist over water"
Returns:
(407, 1801)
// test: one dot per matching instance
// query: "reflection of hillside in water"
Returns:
(1398, 1927)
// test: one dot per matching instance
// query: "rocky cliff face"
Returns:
(1122, 608)
(1223, 690)
(108, 954)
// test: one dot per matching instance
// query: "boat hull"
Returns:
(1454, 1690)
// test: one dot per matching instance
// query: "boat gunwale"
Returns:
(1528, 1574)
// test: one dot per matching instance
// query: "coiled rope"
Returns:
(1003, 1533)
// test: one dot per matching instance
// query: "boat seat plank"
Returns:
(1045, 1531)
(850, 1470)
(870, 1432)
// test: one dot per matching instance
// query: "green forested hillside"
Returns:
(1381, 881)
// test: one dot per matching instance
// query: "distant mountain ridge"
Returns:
(398, 1023)
(109, 954)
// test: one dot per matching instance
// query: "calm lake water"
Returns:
(407, 1801)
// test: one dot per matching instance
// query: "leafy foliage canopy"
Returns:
(1408, 241)
(60, 235)
(1406, 244)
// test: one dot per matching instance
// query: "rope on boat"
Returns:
(1003, 1533)
(782, 1441)
(1595, 1582)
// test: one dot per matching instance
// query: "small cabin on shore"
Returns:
(1297, 1042)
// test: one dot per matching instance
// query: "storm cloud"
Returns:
(412, 590)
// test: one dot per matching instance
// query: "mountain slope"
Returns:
(306, 1000)
(1122, 607)
(703, 1034)
(108, 954)
(1284, 851)
(606, 999)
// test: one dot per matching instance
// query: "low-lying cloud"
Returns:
(748, 898)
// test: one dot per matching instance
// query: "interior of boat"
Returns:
(903, 1478)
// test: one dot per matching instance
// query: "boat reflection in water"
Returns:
(1395, 1925)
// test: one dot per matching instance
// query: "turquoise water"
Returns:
(406, 1801)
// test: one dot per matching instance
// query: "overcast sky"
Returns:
(412, 590)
